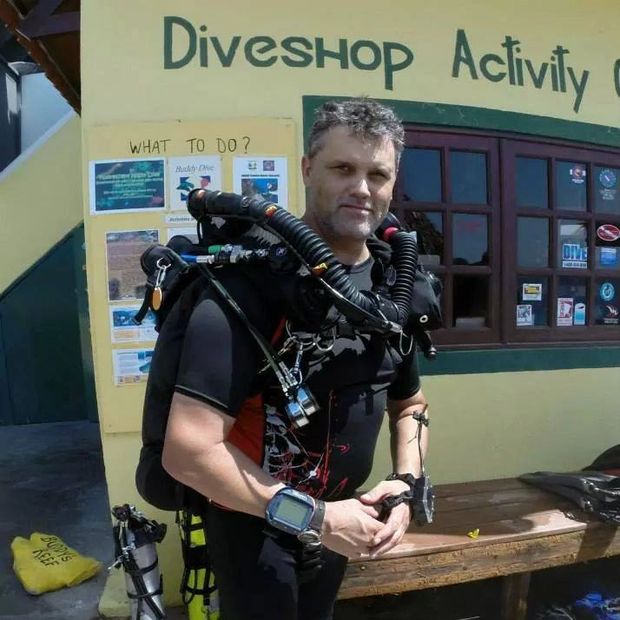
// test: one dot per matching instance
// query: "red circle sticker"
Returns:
(608, 232)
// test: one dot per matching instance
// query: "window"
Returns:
(545, 217)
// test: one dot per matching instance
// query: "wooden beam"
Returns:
(41, 21)
(12, 18)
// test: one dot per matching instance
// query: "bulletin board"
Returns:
(136, 179)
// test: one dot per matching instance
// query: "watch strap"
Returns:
(408, 478)
(316, 522)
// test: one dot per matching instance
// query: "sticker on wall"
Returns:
(608, 257)
(611, 315)
(574, 255)
(607, 291)
(524, 315)
(266, 177)
(126, 280)
(608, 232)
(532, 291)
(578, 173)
(189, 232)
(607, 178)
(125, 186)
(124, 329)
(579, 317)
(131, 365)
(188, 173)
(566, 306)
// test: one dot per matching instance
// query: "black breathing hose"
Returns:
(369, 309)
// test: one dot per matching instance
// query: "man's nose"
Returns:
(360, 188)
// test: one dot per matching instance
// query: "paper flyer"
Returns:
(566, 307)
(123, 328)
(131, 365)
(262, 176)
(125, 186)
(532, 291)
(524, 315)
(188, 173)
(189, 232)
(126, 280)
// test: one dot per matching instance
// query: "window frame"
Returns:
(502, 211)
(477, 144)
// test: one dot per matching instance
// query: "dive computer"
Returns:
(296, 513)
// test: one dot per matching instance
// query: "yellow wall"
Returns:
(484, 425)
(40, 201)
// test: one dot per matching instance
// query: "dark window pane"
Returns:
(429, 227)
(571, 185)
(532, 301)
(470, 239)
(607, 308)
(573, 244)
(606, 197)
(607, 245)
(470, 301)
(571, 301)
(468, 177)
(421, 169)
(532, 242)
(532, 183)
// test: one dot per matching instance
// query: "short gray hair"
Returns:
(365, 118)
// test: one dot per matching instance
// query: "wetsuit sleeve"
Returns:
(220, 359)
(407, 381)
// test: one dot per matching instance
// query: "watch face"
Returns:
(290, 511)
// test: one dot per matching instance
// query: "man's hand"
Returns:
(397, 523)
(350, 527)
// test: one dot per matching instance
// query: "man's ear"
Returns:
(306, 164)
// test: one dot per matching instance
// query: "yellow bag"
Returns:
(44, 563)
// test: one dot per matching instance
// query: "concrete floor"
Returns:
(52, 481)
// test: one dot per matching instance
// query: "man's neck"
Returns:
(347, 251)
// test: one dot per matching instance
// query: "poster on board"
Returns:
(262, 176)
(126, 280)
(124, 329)
(127, 186)
(194, 172)
(131, 365)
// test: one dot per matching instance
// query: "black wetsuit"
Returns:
(351, 377)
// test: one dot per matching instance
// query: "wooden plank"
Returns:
(478, 561)
(479, 486)
(435, 538)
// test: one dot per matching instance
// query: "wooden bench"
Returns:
(521, 529)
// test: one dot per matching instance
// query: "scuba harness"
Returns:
(392, 310)
(320, 299)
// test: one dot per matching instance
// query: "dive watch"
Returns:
(296, 513)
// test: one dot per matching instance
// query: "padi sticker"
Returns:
(578, 173)
(607, 291)
(608, 232)
(607, 177)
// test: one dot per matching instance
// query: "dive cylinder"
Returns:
(135, 539)
(198, 583)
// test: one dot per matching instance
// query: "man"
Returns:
(227, 436)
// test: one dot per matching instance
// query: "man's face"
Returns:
(350, 183)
